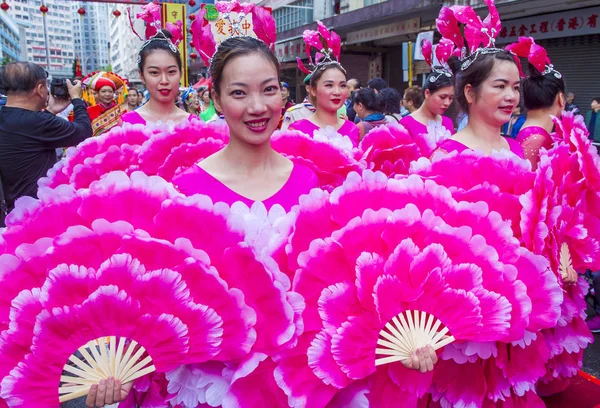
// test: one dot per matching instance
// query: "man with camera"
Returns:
(30, 132)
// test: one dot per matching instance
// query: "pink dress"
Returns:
(348, 129)
(196, 180)
(451, 145)
(532, 139)
(135, 118)
(416, 128)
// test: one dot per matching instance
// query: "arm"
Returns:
(58, 132)
(531, 148)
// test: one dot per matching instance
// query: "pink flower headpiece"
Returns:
(234, 15)
(443, 52)
(535, 54)
(479, 35)
(328, 45)
(151, 14)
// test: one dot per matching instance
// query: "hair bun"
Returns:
(454, 64)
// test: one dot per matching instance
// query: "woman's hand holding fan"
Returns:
(107, 392)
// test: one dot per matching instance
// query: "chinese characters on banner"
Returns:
(384, 31)
(172, 13)
(234, 26)
(289, 50)
(556, 25)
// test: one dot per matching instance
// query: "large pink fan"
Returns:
(388, 249)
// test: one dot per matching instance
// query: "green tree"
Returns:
(6, 60)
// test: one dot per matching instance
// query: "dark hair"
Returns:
(315, 76)
(441, 81)
(475, 75)
(390, 99)
(540, 91)
(377, 84)
(22, 77)
(158, 43)
(414, 94)
(237, 47)
(597, 100)
(369, 99)
(133, 89)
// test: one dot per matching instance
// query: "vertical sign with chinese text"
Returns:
(171, 13)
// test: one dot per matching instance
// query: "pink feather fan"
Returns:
(179, 294)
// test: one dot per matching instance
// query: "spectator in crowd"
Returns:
(285, 97)
(368, 106)
(377, 84)
(140, 100)
(413, 99)
(391, 99)
(29, 134)
(353, 86)
(592, 121)
(131, 101)
(302, 110)
(571, 107)
(513, 126)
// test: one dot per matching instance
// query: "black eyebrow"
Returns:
(244, 84)
(502, 80)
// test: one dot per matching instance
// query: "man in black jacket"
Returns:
(30, 132)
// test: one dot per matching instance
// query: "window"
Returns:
(295, 15)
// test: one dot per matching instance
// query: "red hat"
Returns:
(101, 82)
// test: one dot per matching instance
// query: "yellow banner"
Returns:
(171, 13)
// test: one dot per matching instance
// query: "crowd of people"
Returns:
(265, 252)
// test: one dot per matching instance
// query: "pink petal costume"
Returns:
(394, 245)
(117, 251)
(135, 118)
(309, 128)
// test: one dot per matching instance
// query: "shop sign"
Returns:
(288, 50)
(557, 25)
(385, 31)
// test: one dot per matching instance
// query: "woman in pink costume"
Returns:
(438, 92)
(246, 88)
(327, 86)
(160, 68)
(488, 90)
(544, 96)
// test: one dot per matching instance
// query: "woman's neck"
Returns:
(324, 118)
(249, 159)
(480, 135)
(425, 113)
(160, 109)
(540, 118)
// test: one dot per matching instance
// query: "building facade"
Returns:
(91, 41)
(10, 45)
(59, 30)
(125, 45)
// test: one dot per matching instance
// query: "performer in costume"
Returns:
(544, 96)
(438, 93)
(487, 89)
(327, 85)
(189, 98)
(106, 113)
(246, 89)
(159, 63)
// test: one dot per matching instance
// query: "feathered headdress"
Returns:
(328, 45)
(479, 35)
(535, 54)
(151, 14)
(443, 52)
(234, 19)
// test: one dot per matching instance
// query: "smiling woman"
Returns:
(488, 90)
(246, 89)
(160, 72)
